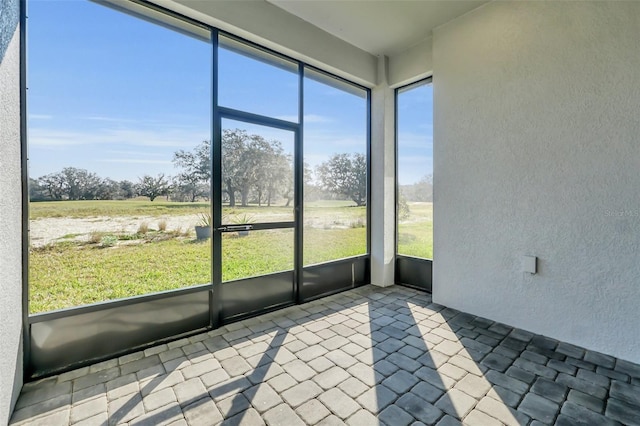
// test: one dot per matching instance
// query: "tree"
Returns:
(36, 191)
(282, 178)
(183, 189)
(127, 189)
(245, 159)
(193, 181)
(419, 191)
(233, 147)
(108, 189)
(402, 206)
(253, 168)
(80, 184)
(346, 175)
(151, 187)
(251, 163)
(71, 184)
(53, 184)
(273, 169)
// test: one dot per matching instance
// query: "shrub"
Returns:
(95, 237)
(143, 228)
(176, 232)
(403, 207)
(162, 225)
(205, 220)
(108, 241)
(357, 224)
(243, 219)
(128, 237)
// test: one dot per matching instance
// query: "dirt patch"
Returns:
(49, 230)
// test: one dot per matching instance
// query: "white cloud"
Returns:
(315, 118)
(415, 159)
(133, 161)
(41, 137)
(107, 119)
(40, 117)
(334, 142)
(415, 140)
(129, 153)
(149, 138)
(171, 122)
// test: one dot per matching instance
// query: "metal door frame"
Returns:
(410, 271)
(217, 299)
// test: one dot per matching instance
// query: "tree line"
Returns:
(254, 170)
(78, 184)
(419, 191)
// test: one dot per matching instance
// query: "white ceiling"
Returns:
(378, 26)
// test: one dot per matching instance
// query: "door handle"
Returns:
(235, 228)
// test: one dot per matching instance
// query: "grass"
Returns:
(69, 236)
(416, 239)
(70, 274)
(144, 207)
(67, 275)
(415, 232)
(96, 208)
(322, 245)
(113, 265)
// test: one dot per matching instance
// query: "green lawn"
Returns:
(93, 208)
(159, 207)
(75, 273)
(415, 232)
(71, 274)
(416, 239)
(66, 275)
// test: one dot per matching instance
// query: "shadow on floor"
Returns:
(366, 356)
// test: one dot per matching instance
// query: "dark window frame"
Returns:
(410, 271)
(148, 11)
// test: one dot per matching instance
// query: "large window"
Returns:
(119, 151)
(335, 169)
(168, 162)
(143, 178)
(415, 170)
(256, 81)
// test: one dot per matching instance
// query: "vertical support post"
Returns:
(298, 167)
(216, 192)
(24, 153)
(382, 179)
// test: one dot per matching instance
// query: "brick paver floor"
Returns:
(364, 357)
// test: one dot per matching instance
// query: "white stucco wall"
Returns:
(382, 185)
(270, 26)
(412, 64)
(10, 211)
(537, 151)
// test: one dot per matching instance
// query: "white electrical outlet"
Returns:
(529, 264)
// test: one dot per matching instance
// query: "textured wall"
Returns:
(267, 24)
(411, 64)
(537, 151)
(10, 210)
(382, 179)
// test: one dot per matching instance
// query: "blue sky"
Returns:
(117, 96)
(415, 133)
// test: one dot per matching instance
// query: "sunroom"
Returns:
(305, 212)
